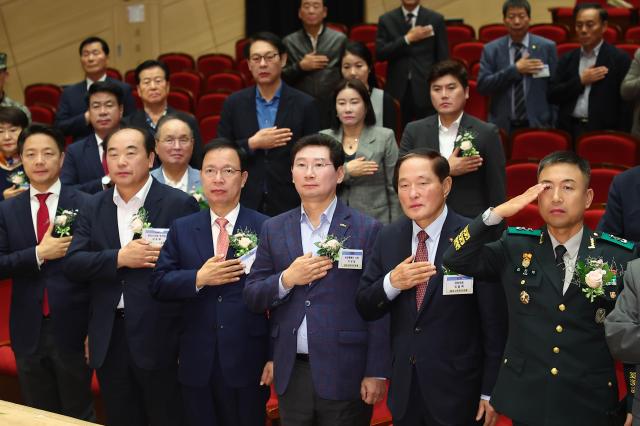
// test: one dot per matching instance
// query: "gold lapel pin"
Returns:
(592, 243)
(343, 225)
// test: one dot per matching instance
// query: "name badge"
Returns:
(350, 259)
(544, 72)
(156, 236)
(247, 260)
(457, 284)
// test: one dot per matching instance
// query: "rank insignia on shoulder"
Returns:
(520, 230)
(462, 238)
(616, 240)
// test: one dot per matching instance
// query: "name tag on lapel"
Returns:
(543, 73)
(350, 259)
(155, 236)
(453, 285)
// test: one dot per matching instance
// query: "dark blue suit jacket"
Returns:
(74, 103)
(82, 168)
(343, 347)
(456, 341)
(238, 122)
(152, 326)
(622, 216)
(215, 318)
(68, 300)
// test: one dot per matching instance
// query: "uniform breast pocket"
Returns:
(526, 289)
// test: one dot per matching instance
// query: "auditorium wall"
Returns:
(41, 37)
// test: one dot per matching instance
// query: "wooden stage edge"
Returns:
(20, 415)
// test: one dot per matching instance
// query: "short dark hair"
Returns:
(323, 3)
(105, 87)
(359, 87)
(44, 129)
(267, 37)
(357, 48)
(94, 39)
(336, 153)
(439, 164)
(566, 157)
(602, 12)
(451, 67)
(152, 63)
(224, 143)
(170, 117)
(516, 4)
(149, 142)
(14, 116)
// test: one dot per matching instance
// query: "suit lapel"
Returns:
(367, 138)
(241, 223)
(202, 236)
(545, 256)
(586, 250)
(153, 203)
(23, 215)
(283, 111)
(404, 251)
(108, 213)
(92, 156)
(292, 230)
(340, 222)
(433, 134)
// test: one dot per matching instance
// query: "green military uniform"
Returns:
(556, 369)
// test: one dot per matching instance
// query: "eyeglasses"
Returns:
(226, 172)
(268, 58)
(316, 165)
(181, 141)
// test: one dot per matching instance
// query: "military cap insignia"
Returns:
(521, 230)
(524, 297)
(616, 240)
(462, 238)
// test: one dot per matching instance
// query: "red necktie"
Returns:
(422, 255)
(42, 223)
(222, 245)
(105, 166)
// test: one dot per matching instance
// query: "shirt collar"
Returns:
(434, 229)
(415, 11)
(276, 95)
(572, 244)
(98, 139)
(524, 42)
(232, 216)
(454, 125)
(319, 32)
(327, 214)
(594, 52)
(90, 82)
(140, 195)
(183, 182)
(53, 189)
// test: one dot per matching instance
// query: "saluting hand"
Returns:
(514, 205)
(217, 271)
(409, 274)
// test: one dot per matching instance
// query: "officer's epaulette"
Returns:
(520, 230)
(616, 240)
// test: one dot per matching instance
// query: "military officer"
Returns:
(560, 282)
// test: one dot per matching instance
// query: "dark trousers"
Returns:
(578, 128)
(134, 396)
(56, 379)
(218, 404)
(411, 110)
(418, 414)
(301, 406)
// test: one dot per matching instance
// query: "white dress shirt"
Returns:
(586, 60)
(447, 136)
(52, 206)
(126, 212)
(181, 184)
(415, 11)
(314, 40)
(232, 218)
(90, 82)
(573, 246)
(100, 147)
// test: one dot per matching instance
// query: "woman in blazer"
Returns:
(371, 153)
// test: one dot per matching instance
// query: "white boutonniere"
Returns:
(63, 222)
(594, 275)
(19, 179)
(464, 141)
(198, 194)
(330, 247)
(243, 241)
(140, 222)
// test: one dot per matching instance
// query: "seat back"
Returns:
(188, 80)
(209, 128)
(528, 217)
(364, 32)
(214, 63)
(601, 178)
(555, 32)
(535, 144)
(42, 93)
(177, 61)
(231, 81)
(563, 48)
(477, 104)
(490, 32)
(592, 217)
(459, 33)
(469, 51)
(42, 113)
(210, 104)
(628, 48)
(181, 99)
(520, 176)
(608, 147)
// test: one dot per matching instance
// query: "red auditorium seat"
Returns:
(459, 33)
(601, 178)
(371, 45)
(520, 177)
(178, 61)
(5, 303)
(240, 44)
(609, 147)
(528, 217)
(490, 32)
(42, 93)
(475, 70)
(563, 48)
(632, 35)
(469, 51)
(364, 32)
(41, 113)
(243, 68)
(336, 26)
(214, 63)
(114, 73)
(628, 48)
(612, 34)
(210, 104)
(130, 78)
(181, 99)
(556, 32)
(188, 80)
(477, 105)
(381, 69)
(534, 144)
(592, 217)
(231, 80)
(209, 128)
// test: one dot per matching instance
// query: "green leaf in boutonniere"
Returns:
(243, 241)
(140, 222)
(63, 222)
(464, 141)
(198, 194)
(593, 275)
(330, 247)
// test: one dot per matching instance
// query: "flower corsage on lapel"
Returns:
(596, 278)
(243, 241)
(63, 222)
(330, 247)
(19, 179)
(140, 222)
(198, 194)
(464, 141)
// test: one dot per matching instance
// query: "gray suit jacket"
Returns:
(373, 195)
(630, 91)
(622, 328)
(473, 192)
(497, 77)
(193, 179)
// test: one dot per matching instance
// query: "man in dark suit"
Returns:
(478, 179)
(405, 277)
(557, 368)
(85, 164)
(411, 38)
(282, 116)
(515, 71)
(72, 116)
(152, 78)
(622, 217)
(220, 370)
(586, 85)
(133, 339)
(329, 363)
(49, 313)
